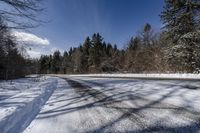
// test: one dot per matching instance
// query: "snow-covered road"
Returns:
(79, 104)
(86, 104)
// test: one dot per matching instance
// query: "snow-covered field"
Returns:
(86, 103)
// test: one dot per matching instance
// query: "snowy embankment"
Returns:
(149, 76)
(21, 101)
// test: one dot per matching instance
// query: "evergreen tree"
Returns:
(147, 35)
(85, 54)
(87, 46)
(65, 62)
(180, 17)
(50, 64)
(44, 64)
(181, 20)
(56, 62)
(109, 49)
(96, 50)
(185, 56)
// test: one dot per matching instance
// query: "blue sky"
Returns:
(116, 20)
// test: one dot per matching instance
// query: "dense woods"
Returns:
(175, 49)
(11, 61)
(19, 15)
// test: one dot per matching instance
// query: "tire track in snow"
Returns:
(26, 113)
(100, 97)
(137, 116)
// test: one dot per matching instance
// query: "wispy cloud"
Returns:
(29, 38)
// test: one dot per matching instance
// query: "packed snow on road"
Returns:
(100, 103)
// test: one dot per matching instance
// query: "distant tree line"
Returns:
(95, 56)
(175, 49)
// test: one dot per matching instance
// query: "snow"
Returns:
(22, 100)
(53, 114)
(177, 92)
(148, 76)
(153, 104)
(67, 111)
(51, 104)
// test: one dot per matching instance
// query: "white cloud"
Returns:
(35, 46)
(29, 38)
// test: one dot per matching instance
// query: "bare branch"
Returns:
(22, 14)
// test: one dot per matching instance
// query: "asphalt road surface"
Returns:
(87, 105)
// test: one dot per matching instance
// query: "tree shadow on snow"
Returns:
(116, 101)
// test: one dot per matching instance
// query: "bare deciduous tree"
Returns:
(21, 14)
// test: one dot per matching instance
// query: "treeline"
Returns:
(93, 55)
(142, 54)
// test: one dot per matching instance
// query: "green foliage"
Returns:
(182, 24)
(185, 55)
(180, 17)
(96, 50)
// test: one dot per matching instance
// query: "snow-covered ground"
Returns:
(59, 114)
(83, 103)
(149, 76)
(185, 93)
(20, 101)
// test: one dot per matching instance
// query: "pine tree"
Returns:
(147, 35)
(96, 50)
(85, 55)
(181, 20)
(50, 60)
(109, 49)
(185, 56)
(44, 64)
(65, 62)
(56, 62)
(180, 17)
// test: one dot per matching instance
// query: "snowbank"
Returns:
(149, 76)
(17, 111)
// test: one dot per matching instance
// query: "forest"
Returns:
(173, 49)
